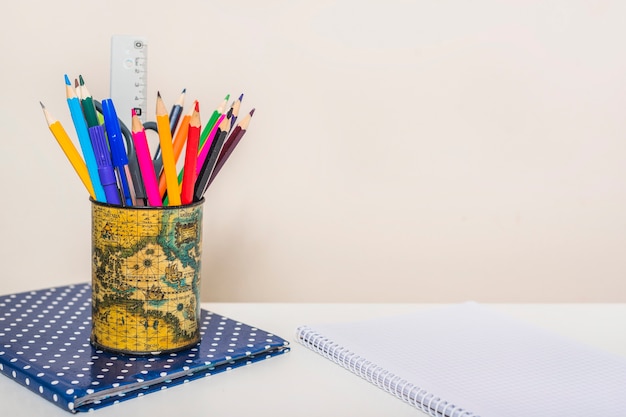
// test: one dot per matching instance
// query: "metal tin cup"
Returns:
(146, 277)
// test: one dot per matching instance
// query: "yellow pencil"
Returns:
(69, 149)
(167, 153)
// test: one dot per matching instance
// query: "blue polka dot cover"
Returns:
(44, 345)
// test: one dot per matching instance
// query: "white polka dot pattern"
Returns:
(44, 345)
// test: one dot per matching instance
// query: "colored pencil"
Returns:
(104, 167)
(209, 163)
(174, 116)
(133, 171)
(86, 101)
(233, 113)
(69, 150)
(204, 150)
(179, 142)
(231, 143)
(182, 133)
(78, 90)
(213, 120)
(177, 111)
(145, 161)
(191, 157)
(208, 132)
(84, 140)
(167, 152)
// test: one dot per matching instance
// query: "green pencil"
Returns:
(209, 125)
(89, 108)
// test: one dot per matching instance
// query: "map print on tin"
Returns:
(146, 278)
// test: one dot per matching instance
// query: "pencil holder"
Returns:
(145, 277)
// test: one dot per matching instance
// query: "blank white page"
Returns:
(488, 363)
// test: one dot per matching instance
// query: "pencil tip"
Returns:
(241, 97)
(82, 82)
(184, 91)
(133, 112)
(227, 97)
(197, 106)
(76, 83)
(158, 94)
(42, 106)
(252, 112)
(67, 80)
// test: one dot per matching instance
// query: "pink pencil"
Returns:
(145, 162)
(207, 145)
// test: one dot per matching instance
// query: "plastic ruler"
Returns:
(129, 76)
(129, 89)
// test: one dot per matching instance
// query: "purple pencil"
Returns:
(231, 144)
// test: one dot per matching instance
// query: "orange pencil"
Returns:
(179, 142)
(191, 157)
(167, 153)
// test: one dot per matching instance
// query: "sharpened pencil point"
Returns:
(80, 78)
(67, 80)
(158, 94)
(252, 112)
(75, 83)
(133, 112)
(241, 97)
(42, 106)
(184, 91)
(197, 106)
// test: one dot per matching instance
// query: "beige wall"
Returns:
(401, 150)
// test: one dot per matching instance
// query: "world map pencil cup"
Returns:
(146, 277)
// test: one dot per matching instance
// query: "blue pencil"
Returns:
(85, 141)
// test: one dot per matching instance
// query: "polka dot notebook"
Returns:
(469, 360)
(44, 345)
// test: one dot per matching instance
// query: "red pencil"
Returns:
(191, 157)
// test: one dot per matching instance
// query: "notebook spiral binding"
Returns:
(373, 373)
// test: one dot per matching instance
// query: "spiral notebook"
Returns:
(468, 360)
(44, 346)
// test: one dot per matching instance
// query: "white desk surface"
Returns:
(302, 383)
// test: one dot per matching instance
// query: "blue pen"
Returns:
(118, 151)
(83, 137)
(105, 168)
